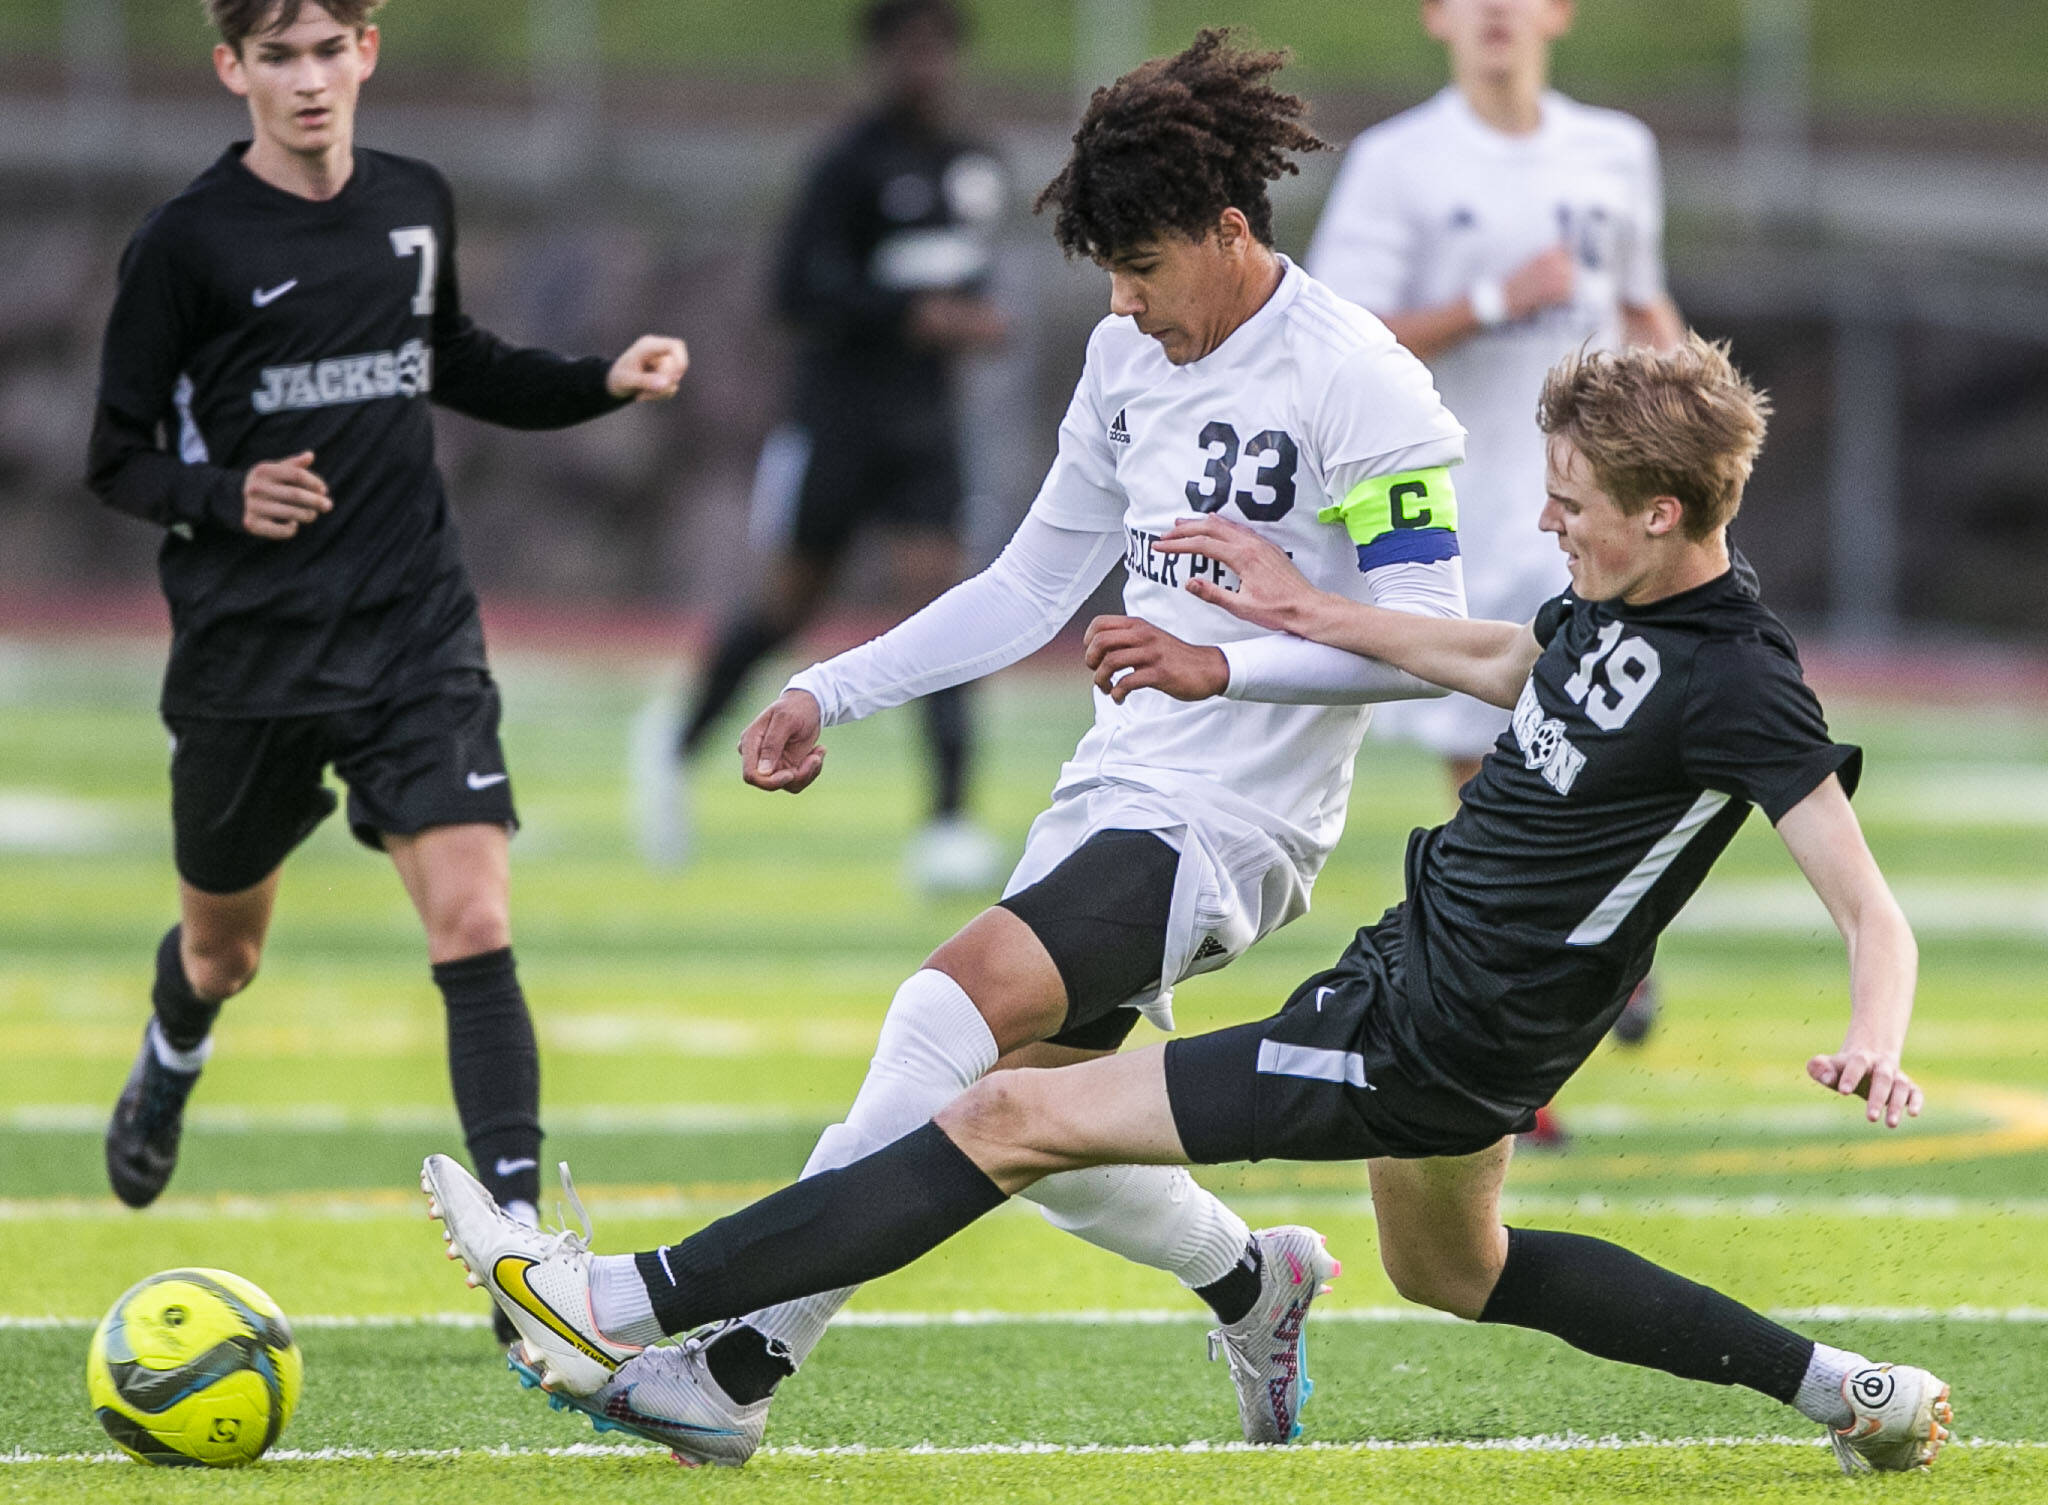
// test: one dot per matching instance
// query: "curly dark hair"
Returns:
(1175, 142)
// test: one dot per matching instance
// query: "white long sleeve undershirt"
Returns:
(1016, 606)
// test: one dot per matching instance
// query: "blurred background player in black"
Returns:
(882, 274)
(276, 333)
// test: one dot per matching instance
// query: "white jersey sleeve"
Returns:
(1081, 490)
(1012, 608)
(1640, 277)
(1364, 244)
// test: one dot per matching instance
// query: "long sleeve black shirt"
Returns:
(251, 324)
(892, 209)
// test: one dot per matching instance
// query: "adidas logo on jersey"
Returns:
(1544, 745)
(1119, 430)
(1210, 947)
(404, 372)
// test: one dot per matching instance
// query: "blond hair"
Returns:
(1681, 423)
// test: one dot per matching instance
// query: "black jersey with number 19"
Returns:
(1642, 738)
(252, 324)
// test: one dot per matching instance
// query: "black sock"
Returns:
(747, 1363)
(945, 727)
(1601, 1298)
(183, 1018)
(840, 1228)
(743, 644)
(1233, 1297)
(495, 1067)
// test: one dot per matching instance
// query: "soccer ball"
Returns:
(193, 1367)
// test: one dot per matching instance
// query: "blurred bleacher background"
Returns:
(1858, 195)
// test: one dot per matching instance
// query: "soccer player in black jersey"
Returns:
(882, 276)
(1655, 703)
(279, 329)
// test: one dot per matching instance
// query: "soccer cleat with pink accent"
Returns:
(540, 1280)
(1900, 1418)
(1267, 1347)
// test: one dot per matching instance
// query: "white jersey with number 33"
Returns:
(1283, 427)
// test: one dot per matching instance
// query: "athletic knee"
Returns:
(1000, 964)
(471, 926)
(220, 966)
(999, 1123)
(1450, 1280)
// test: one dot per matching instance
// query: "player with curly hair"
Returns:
(1197, 811)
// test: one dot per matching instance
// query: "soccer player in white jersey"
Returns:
(1496, 228)
(1184, 828)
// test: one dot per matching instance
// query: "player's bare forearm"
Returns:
(1488, 660)
(1658, 325)
(1429, 332)
(1823, 835)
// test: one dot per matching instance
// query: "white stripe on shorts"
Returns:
(1276, 1059)
(778, 484)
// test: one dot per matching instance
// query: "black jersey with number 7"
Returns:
(252, 325)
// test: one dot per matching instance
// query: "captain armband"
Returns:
(1409, 518)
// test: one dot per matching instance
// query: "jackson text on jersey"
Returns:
(404, 372)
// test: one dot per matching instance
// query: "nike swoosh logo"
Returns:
(509, 1276)
(485, 780)
(513, 1167)
(263, 297)
(1321, 994)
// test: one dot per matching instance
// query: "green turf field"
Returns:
(699, 1029)
(1888, 57)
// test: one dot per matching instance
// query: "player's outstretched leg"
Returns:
(1444, 1246)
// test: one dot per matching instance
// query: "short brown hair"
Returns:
(239, 20)
(1682, 423)
(1175, 142)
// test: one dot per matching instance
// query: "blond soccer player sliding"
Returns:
(1655, 703)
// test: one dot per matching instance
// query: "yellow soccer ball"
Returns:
(194, 1367)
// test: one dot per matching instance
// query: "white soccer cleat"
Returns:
(1901, 1417)
(952, 855)
(540, 1280)
(658, 787)
(1267, 1348)
(667, 1395)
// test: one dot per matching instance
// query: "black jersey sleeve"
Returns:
(518, 387)
(132, 458)
(1753, 728)
(822, 282)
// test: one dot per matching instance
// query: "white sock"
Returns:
(619, 1303)
(934, 1046)
(1820, 1395)
(1152, 1214)
(185, 1061)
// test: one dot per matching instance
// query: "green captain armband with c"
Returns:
(1409, 518)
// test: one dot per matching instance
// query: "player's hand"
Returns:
(1150, 659)
(1541, 282)
(956, 322)
(1270, 592)
(1873, 1075)
(650, 370)
(779, 749)
(281, 496)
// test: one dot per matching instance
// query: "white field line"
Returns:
(1117, 1317)
(327, 1118)
(1546, 1443)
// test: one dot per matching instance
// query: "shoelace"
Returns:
(567, 1240)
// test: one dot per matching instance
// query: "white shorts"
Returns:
(1233, 886)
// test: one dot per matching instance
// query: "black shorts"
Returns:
(1317, 1080)
(245, 792)
(1101, 916)
(836, 475)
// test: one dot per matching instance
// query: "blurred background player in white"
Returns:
(1496, 228)
(883, 274)
(1226, 381)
